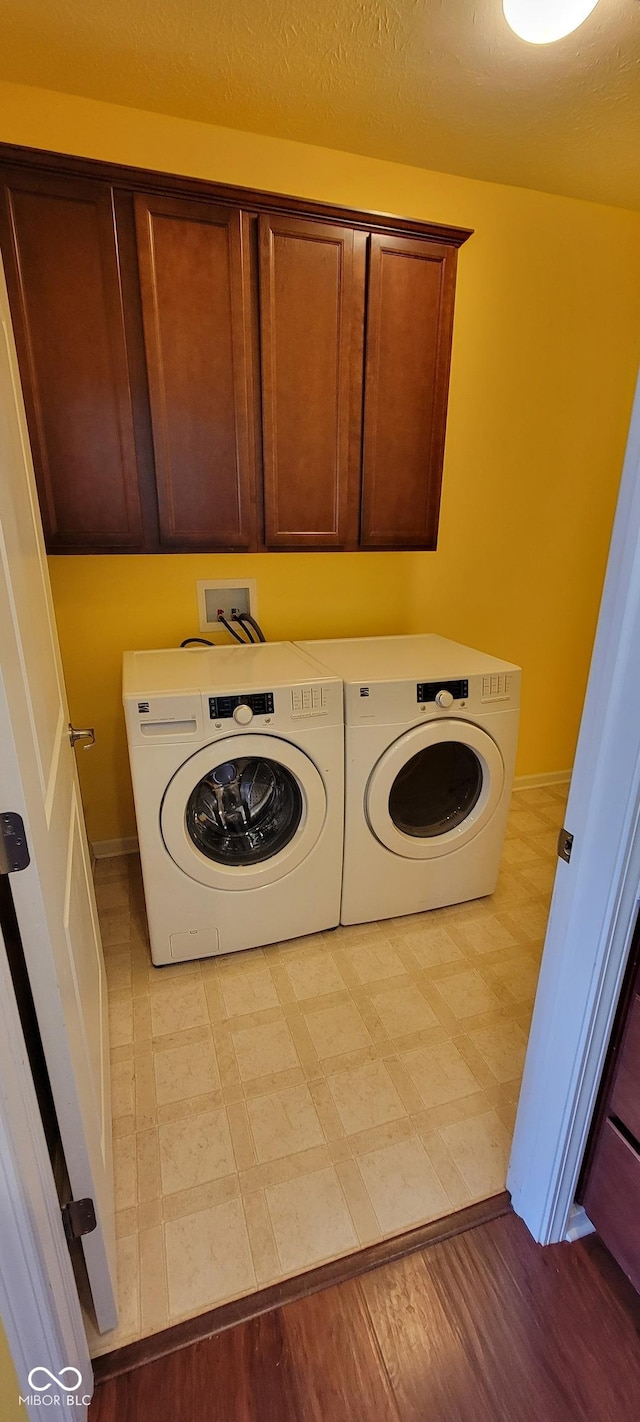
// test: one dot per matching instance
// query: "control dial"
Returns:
(444, 698)
(243, 714)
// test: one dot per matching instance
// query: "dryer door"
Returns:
(434, 789)
(243, 812)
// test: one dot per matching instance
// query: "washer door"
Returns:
(434, 789)
(243, 812)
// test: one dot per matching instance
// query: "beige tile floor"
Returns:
(278, 1108)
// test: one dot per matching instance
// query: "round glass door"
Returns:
(435, 790)
(244, 810)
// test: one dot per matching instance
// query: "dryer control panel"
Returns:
(429, 690)
(397, 702)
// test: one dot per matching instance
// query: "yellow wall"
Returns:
(10, 1409)
(546, 347)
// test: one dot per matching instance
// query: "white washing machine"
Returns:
(237, 760)
(431, 730)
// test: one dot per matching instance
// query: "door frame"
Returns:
(595, 898)
(39, 1302)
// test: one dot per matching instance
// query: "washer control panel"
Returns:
(431, 690)
(222, 708)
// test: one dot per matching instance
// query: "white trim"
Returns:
(579, 1224)
(109, 848)
(38, 1297)
(538, 782)
(595, 898)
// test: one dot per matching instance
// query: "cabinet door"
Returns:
(311, 307)
(193, 260)
(59, 245)
(408, 346)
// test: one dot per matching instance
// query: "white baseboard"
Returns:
(108, 848)
(537, 782)
(578, 1224)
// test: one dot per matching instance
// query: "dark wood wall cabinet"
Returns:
(211, 368)
(194, 275)
(610, 1182)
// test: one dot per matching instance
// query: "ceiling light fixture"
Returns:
(543, 21)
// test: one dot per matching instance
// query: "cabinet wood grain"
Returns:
(194, 278)
(60, 247)
(625, 1095)
(612, 1198)
(409, 330)
(312, 294)
(609, 1186)
(217, 368)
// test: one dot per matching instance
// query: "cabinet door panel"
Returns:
(59, 242)
(194, 275)
(625, 1095)
(409, 328)
(612, 1198)
(312, 292)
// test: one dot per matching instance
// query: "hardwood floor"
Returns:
(484, 1327)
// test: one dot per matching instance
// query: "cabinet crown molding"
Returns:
(121, 175)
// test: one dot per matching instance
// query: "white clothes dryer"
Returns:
(237, 762)
(431, 730)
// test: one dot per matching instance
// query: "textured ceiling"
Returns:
(439, 83)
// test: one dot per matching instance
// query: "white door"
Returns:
(54, 896)
(595, 898)
(434, 789)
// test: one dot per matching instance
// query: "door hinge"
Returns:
(78, 1218)
(14, 851)
(565, 845)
